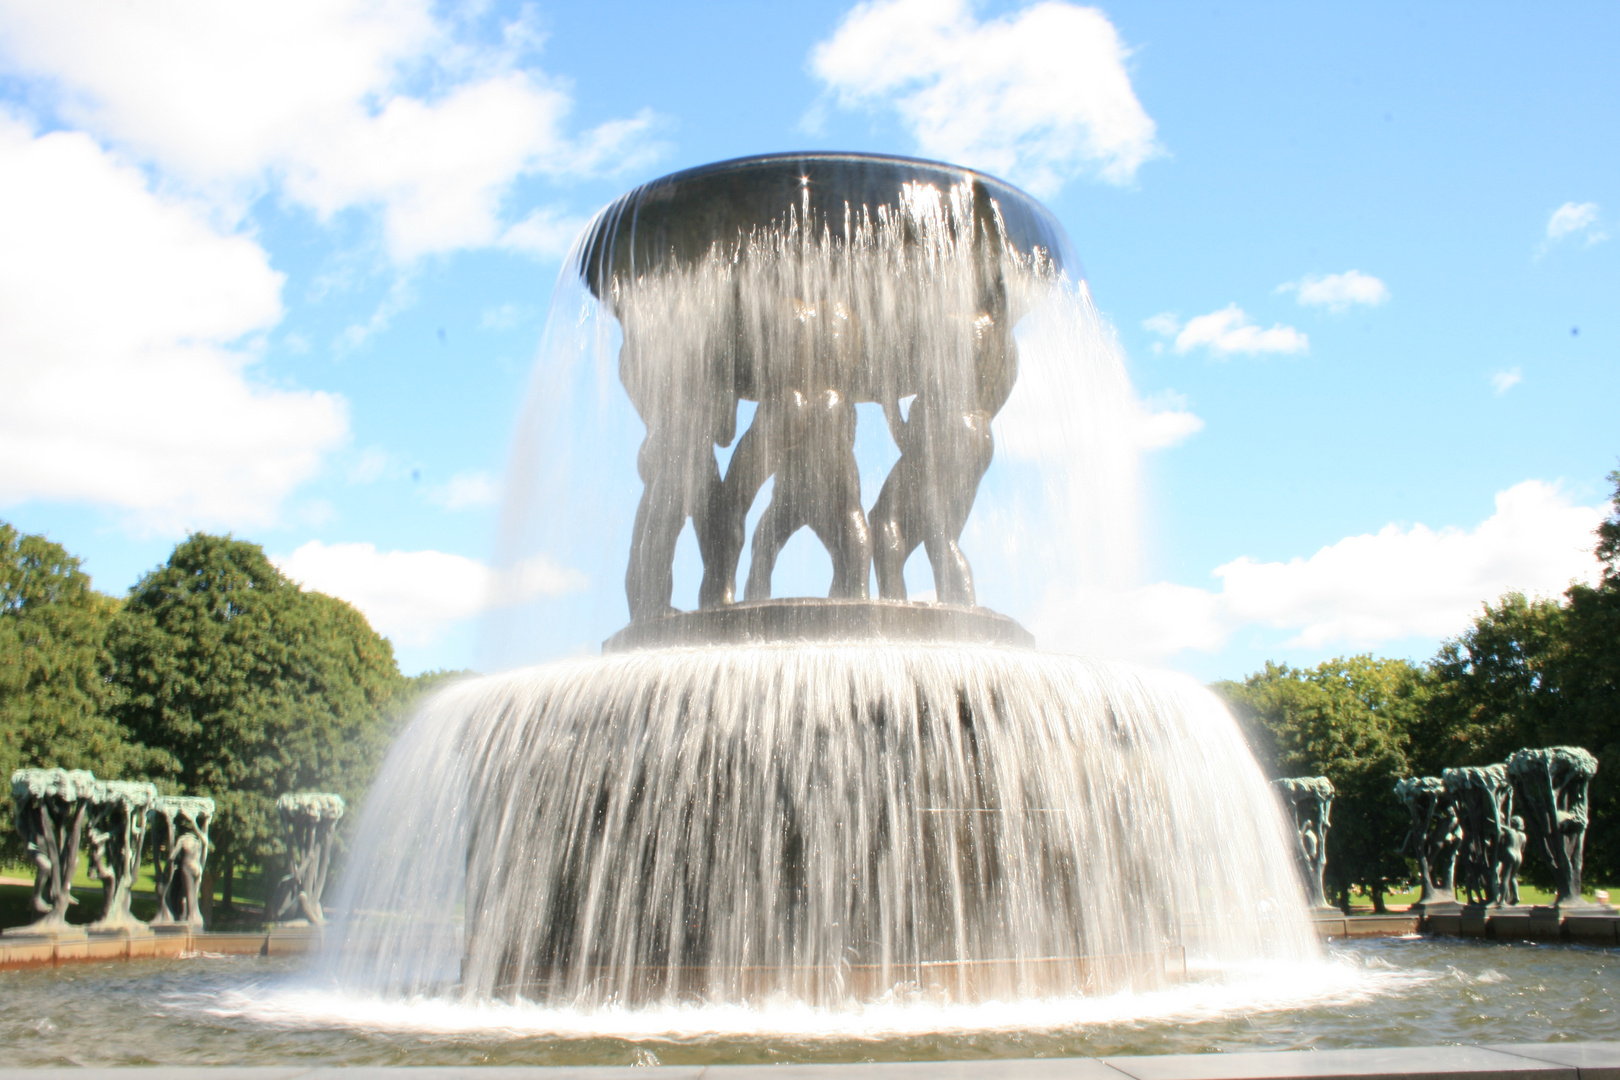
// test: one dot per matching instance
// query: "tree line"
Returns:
(1528, 672)
(216, 675)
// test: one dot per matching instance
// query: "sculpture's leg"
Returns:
(775, 527)
(649, 581)
(710, 523)
(895, 532)
(1573, 841)
(953, 577)
(43, 898)
(849, 542)
(67, 861)
(841, 526)
(750, 467)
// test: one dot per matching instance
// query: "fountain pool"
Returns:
(1395, 992)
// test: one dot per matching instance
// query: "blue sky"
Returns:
(283, 270)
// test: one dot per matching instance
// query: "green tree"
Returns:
(53, 698)
(1537, 672)
(1348, 719)
(247, 686)
(1493, 685)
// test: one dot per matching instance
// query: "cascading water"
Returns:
(821, 802)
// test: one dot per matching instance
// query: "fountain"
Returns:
(822, 801)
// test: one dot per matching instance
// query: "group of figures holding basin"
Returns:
(1464, 834)
(1466, 837)
(912, 310)
(58, 811)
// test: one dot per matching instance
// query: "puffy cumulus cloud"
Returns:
(1364, 590)
(1039, 96)
(121, 320)
(1573, 218)
(378, 104)
(1226, 332)
(1164, 420)
(414, 596)
(1337, 292)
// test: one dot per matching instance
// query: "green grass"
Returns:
(1528, 894)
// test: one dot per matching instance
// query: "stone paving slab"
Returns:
(1389, 1063)
(1523, 1061)
(1595, 1060)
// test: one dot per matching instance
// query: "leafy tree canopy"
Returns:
(247, 686)
(1349, 719)
(52, 694)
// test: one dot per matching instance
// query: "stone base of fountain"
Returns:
(804, 619)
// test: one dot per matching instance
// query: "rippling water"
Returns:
(241, 1011)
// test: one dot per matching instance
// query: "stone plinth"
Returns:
(809, 619)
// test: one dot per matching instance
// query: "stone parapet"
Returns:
(1584, 926)
(50, 950)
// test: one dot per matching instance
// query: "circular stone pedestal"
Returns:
(809, 619)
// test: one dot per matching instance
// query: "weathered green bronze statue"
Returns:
(1483, 796)
(1552, 785)
(309, 820)
(1310, 800)
(50, 806)
(179, 856)
(1433, 838)
(116, 832)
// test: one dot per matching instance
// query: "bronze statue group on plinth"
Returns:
(908, 302)
(59, 812)
(1467, 839)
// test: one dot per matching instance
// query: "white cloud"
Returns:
(1228, 331)
(1574, 218)
(547, 233)
(1040, 96)
(1164, 421)
(468, 489)
(1337, 292)
(1164, 324)
(1362, 591)
(1503, 381)
(122, 317)
(374, 104)
(413, 596)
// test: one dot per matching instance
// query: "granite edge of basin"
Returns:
(1545, 1061)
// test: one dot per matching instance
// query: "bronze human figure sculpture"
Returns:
(310, 820)
(945, 441)
(808, 283)
(1484, 800)
(685, 393)
(116, 831)
(50, 806)
(1433, 838)
(1309, 800)
(803, 435)
(179, 857)
(1552, 786)
(1513, 843)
